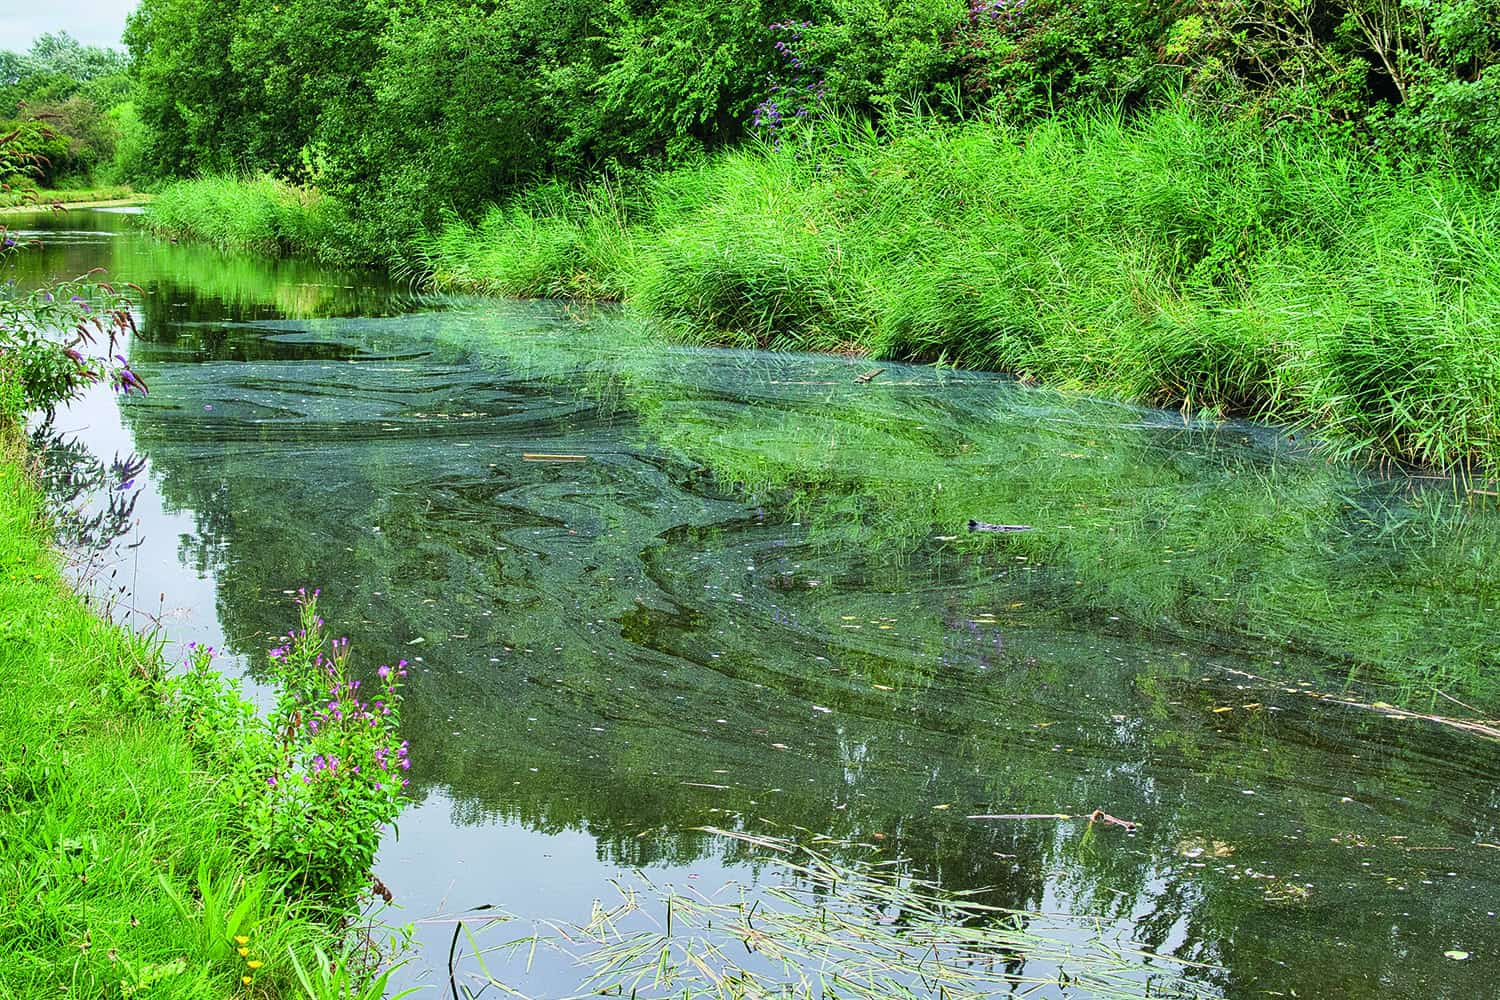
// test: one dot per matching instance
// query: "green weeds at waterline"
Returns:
(1175, 260)
(121, 872)
(260, 214)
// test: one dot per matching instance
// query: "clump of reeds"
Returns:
(263, 214)
(1174, 259)
(822, 927)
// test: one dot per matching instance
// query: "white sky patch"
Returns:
(92, 22)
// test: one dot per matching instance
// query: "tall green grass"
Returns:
(122, 870)
(1173, 258)
(261, 214)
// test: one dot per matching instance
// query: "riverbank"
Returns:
(106, 197)
(1175, 260)
(124, 868)
(130, 202)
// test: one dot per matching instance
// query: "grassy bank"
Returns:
(121, 870)
(23, 198)
(260, 214)
(1174, 259)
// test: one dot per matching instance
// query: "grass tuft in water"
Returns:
(820, 926)
(261, 214)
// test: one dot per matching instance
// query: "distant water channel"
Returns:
(741, 593)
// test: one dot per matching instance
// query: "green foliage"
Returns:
(75, 137)
(128, 164)
(27, 154)
(1176, 260)
(1215, 255)
(60, 337)
(57, 67)
(462, 103)
(322, 775)
(433, 105)
(188, 95)
(12, 397)
(1028, 60)
(877, 56)
(262, 214)
(681, 77)
(57, 94)
(339, 978)
(123, 876)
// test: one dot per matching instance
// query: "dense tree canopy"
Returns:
(421, 106)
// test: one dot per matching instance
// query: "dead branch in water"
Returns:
(1486, 728)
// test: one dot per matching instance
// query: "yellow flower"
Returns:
(254, 963)
(241, 939)
(243, 951)
(247, 980)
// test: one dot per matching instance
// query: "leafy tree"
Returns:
(190, 98)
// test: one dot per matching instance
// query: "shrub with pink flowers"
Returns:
(324, 772)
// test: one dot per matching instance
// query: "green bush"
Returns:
(323, 774)
(128, 163)
(57, 338)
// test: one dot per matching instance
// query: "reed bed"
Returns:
(821, 926)
(1171, 259)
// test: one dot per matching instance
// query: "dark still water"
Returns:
(737, 590)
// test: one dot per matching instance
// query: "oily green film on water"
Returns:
(647, 589)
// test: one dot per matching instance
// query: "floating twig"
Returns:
(868, 376)
(986, 526)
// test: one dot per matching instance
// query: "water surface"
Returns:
(749, 599)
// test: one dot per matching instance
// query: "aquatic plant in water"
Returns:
(821, 926)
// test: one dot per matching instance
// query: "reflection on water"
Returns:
(748, 600)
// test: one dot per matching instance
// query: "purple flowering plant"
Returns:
(324, 773)
(797, 90)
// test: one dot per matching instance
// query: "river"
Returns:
(648, 589)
